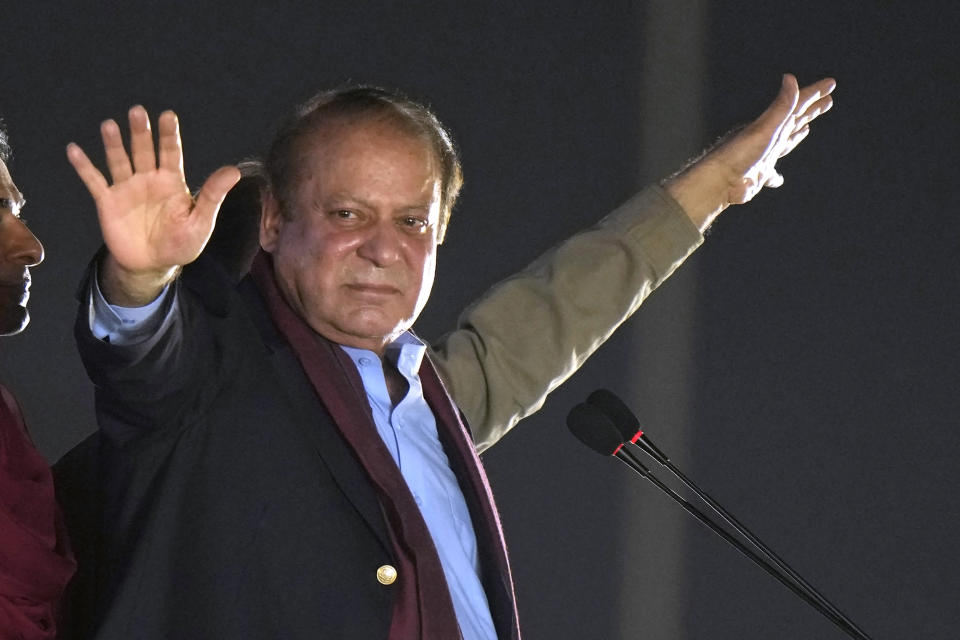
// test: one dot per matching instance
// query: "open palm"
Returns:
(150, 223)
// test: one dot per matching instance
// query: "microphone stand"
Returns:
(624, 420)
(595, 429)
(628, 458)
(730, 519)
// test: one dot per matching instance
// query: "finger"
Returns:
(214, 190)
(824, 86)
(95, 182)
(774, 181)
(814, 92)
(815, 110)
(118, 163)
(141, 140)
(794, 140)
(168, 140)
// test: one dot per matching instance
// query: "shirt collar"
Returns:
(405, 353)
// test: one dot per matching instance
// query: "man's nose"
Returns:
(381, 244)
(24, 248)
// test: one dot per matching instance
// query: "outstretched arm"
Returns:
(738, 168)
(530, 332)
(150, 223)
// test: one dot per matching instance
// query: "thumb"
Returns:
(214, 190)
(776, 115)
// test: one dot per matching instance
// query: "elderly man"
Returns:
(35, 561)
(287, 459)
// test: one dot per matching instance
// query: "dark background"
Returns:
(801, 366)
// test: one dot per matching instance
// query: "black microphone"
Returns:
(626, 423)
(599, 431)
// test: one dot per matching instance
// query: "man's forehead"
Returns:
(336, 142)
(343, 131)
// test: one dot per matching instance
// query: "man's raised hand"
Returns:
(745, 162)
(150, 223)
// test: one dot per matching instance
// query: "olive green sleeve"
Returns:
(533, 330)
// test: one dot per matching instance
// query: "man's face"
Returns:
(356, 255)
(19, 249)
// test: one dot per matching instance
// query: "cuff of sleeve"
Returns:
(124, 325)
(656, 222)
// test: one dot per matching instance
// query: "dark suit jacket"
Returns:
(231, 506)
(249, 455)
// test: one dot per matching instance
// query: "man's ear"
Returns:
(271, 219)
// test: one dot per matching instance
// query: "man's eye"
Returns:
(415, 223)
(344, 214)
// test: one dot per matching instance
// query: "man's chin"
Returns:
(13, 322)
(363, 332)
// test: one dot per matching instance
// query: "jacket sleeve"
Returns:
(533, 330)
(161, 380)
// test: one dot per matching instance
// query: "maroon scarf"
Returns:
(35, 558)
(422, 608)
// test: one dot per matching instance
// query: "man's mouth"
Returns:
(373, 289)
(19, 288)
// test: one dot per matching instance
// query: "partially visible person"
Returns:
(35, 558)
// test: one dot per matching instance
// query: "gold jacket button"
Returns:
(386, 574)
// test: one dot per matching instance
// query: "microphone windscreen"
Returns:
(594, 429)
(619, 414)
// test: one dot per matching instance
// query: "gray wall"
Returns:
(800, 367)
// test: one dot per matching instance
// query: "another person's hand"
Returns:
(150, 223)
(745, 162)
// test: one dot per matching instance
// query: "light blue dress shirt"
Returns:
(409, 430)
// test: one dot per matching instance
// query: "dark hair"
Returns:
(362, 101)
(5, 150)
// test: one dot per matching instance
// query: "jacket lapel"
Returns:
(315, 422)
